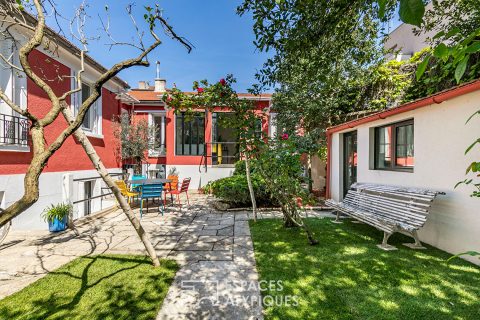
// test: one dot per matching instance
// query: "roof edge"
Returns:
(435, 98)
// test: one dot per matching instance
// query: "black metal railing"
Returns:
(13, 130)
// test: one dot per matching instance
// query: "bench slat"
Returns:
(373, 205)
(387, 208)
(411, 205)
(391, 214)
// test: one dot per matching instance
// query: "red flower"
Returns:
(222, 82)
(169, 99)
(200, 90)
(285, 136)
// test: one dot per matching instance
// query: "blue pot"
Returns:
(58, 225)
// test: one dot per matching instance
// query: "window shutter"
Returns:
(6, 78)
(20, 84)
(75, 97)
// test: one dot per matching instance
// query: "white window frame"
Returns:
(95, 112)
(161, 152)
(272, 125)
(15, 89)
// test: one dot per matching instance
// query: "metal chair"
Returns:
(183, 189)
(124, 190)
(151, 191)
(135, 186)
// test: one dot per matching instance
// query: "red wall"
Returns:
(70, 157)
(171, 158)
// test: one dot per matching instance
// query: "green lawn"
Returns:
(347, 277)
(98, 287)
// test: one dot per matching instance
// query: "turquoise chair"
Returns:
(151, 191)
(135, 186)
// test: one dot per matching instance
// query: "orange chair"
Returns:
(173, 185)
(183, 189)
(124, 190)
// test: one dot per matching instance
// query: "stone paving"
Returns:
(217, 279)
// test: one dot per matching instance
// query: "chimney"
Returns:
(142, 85)
(160, 84)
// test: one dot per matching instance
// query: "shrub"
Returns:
(234, 190)
(240, 167)
(58, 211)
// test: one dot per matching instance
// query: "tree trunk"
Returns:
(250, 187)
(309, 173)
(99, 166)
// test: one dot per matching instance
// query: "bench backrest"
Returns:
(408, 206)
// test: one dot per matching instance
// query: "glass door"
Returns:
(349, 160)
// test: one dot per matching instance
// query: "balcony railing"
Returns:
(13, 130)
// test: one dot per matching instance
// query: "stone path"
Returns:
(217, 279)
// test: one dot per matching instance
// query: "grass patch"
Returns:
(96, 287)
(347, 277)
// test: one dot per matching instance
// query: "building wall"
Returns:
(70, 158)
(54, 189)
(71, 155)
(440, 139)
(403, 39)
(188, 166)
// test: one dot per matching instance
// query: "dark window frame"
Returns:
(393, 146)
(199, 119)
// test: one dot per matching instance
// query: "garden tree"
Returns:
(322, 55)
(325, 55)
(210, 97)
(30, 17)
(135, 138)
(277, 161)
(454, 59)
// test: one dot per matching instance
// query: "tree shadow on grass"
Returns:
(347, 277)
(95, 287)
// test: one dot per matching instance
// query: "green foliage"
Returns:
(134, 137)
(474, 167)
(411, 11)
(240, 167)
(58, 211)
(234, 190)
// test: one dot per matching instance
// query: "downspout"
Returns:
(329, 161)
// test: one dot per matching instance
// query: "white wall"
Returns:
(199, 177)
(52, 191)
(441, 137)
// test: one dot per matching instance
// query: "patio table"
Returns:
(152, 181)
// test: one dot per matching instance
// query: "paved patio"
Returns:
(217, 279)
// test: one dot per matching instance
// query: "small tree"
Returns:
(221, 95)
(135, 139)
(30, 16)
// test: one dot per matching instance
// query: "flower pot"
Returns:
(57, 225)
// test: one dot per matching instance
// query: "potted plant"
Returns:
(57, 216)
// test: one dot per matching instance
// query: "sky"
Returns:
(223, 41)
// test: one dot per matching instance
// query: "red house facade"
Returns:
(199, 149)
(69, 174)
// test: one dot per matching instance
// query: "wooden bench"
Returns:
(388, 208)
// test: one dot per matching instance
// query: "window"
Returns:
(13, 127)
(158, 141)
(92, 122)
(258, 128)
(189, 134)
(394, 147)
(273, 125)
